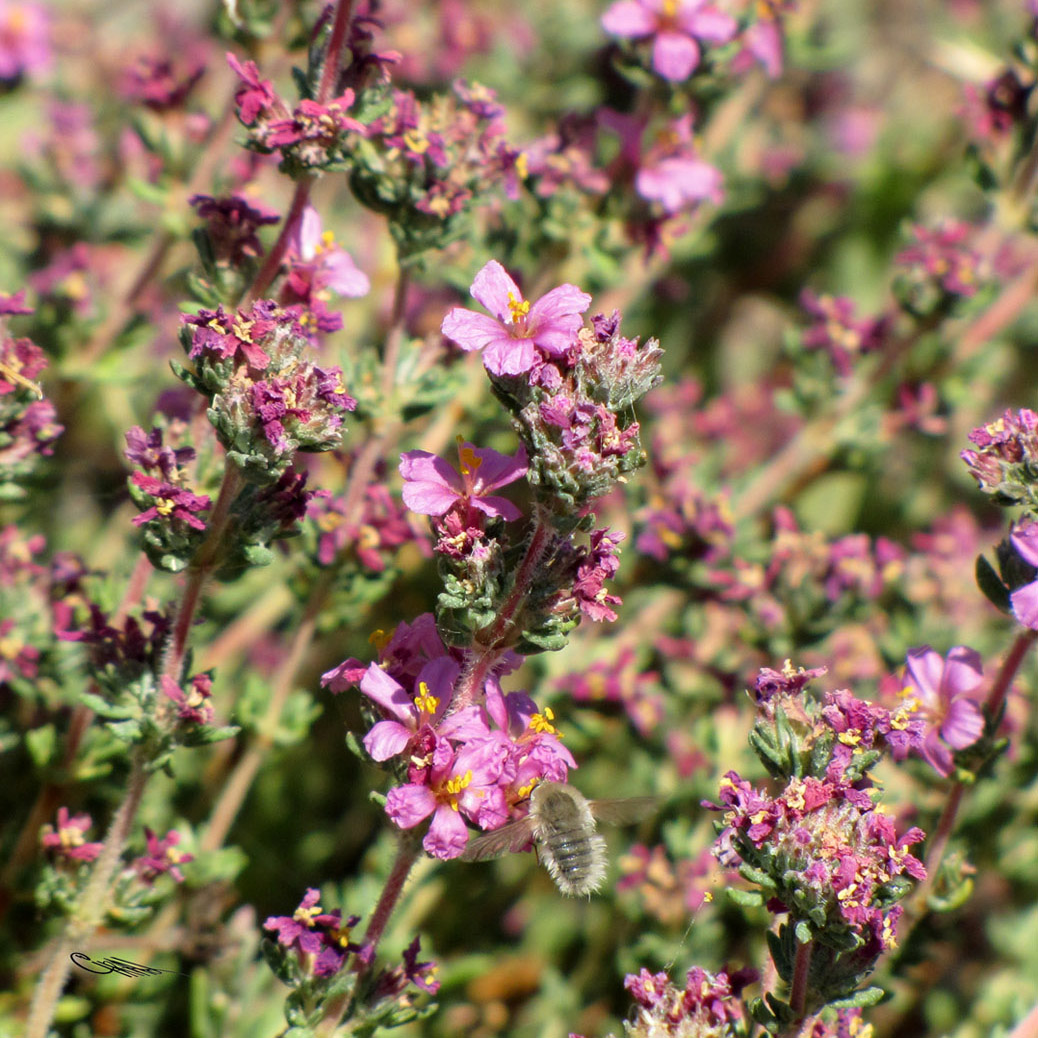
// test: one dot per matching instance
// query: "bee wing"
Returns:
(623, 810)
(515, 836)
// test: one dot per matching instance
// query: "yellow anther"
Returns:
(307, 915)
(455, 785)
(426, 702)
(519, 308)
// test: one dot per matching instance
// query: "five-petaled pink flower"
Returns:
(675, 26)
(944, 691)
(509, 337)
(433, 486)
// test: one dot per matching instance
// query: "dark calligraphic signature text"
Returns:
(115, 965)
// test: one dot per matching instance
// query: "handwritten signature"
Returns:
(116, 965)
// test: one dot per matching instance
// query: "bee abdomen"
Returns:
(575, 859)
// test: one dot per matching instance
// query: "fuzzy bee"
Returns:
(561, 822)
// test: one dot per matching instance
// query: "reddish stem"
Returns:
(272, 264)
(1011, 664)
(408, 852)
(201, 567)
(333, 55)
(488, 644)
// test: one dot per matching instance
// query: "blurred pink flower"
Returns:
(24, 39)
(675, 26)
(943, 690)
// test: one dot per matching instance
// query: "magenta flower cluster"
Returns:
(476, 764)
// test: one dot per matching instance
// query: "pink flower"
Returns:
(675, 26)
(432, 486)
(509, 337)
(462, 785)
(24, 39)
(67, 840)
(674, 176)
(407, 714)
(334, 266)
(943, 690)
(162, 857)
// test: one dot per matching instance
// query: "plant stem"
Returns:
(333, 56)
(946, 823)
(409, 849)
(272, 264)
(801, 969)
(91, 906)
(488, 646)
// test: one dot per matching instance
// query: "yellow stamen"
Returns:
(454, 786)
(519, 308)
(426, 703)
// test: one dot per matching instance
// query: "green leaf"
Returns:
(746, 898)
(991, 585)
(40, 743)
(861, 999)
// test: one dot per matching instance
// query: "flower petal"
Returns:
(629, 18)
(379, 687)
(924, 669)
(497, 507)
(498, 470)
(408, 805)
(710, 24)
(386, 739)
(1024, 601)
(492, 287)
(448, 834)
(472, 331)
(963, 672)
(675, 56)
(559, 302)
(964, 724)
(509, 356)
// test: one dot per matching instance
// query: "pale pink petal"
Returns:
(924, 670)
(559, 302)
(472, 331)
(408, 805)
(309, 234)
(492, 287)
(710, 24)
(964, 724)
(629, 18)
(559, 335)
(509, 356)
(386, 739)
(380, 688)
(963, 672)
(498, 470)
(448, 834)
(674, 55)
(344, 277)
(1025, 605)
(497, 506)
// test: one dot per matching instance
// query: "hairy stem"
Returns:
(409, 850)
(91, 906)
(488, 648)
